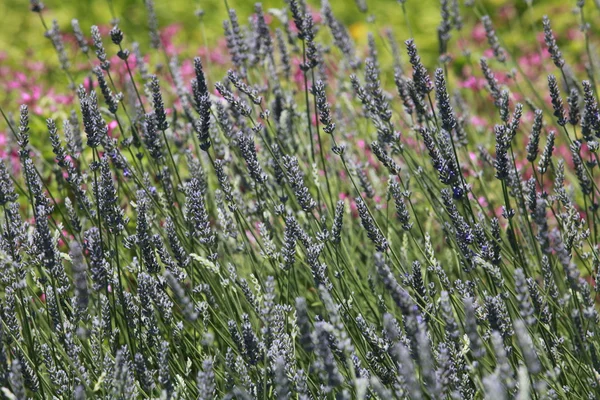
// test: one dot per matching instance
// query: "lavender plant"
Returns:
(206, 240)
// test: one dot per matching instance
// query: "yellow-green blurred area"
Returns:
(22, 33)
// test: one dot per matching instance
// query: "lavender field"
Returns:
(365, 199)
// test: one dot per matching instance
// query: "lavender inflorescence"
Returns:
(557, 103)
(493, 41)
(420, 74)
(295, 178)
(99, 48)
(553, 49)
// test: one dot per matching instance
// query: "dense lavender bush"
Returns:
(231, 235)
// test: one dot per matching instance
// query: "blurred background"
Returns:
(30, 72)
(22, 34)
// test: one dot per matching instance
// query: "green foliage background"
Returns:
(22, 34)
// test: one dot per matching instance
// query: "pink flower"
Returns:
(21, 77)
(18, 81)
(250, 237)
(187, 68)
(61, 242)
(411, 142)
(535, 59)
(517, 97)
(498, 212)
(478, 33)
(503, 79)
(316, 16)
(166, 38)
(353, 208)
(112, 125)
(545, 54)
(31, 97)
(34, 66)
(217, 56)
(482, 201)
(104, 30)
(292, 25)
(89, 84)
(478, 121)
(268, 18)
(472, 83)
(563, 151)
(62, 99)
